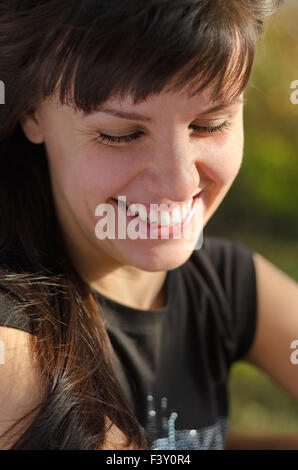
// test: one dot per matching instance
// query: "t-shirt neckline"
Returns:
(126, 315)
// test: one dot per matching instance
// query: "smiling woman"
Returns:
(141, 98)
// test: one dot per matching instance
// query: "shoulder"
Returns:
(226, 262)
(228, 274)
(222, 250)
(276, 336)
(20, 387)
(20, 380)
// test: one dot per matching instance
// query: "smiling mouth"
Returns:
(155, 214)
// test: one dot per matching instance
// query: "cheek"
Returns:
(223, 158)
(79, 167)
(100, 174)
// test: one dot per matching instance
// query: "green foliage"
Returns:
(264, 197)
(258, 404)
(260, 209)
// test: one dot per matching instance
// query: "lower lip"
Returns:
(156, 230)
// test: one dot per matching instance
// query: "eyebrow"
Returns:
(140, 117)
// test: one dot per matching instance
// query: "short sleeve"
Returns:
(236, 270)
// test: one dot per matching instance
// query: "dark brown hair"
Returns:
(90, 50)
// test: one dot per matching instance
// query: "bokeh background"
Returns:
(261, 208)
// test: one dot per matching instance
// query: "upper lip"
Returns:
(172, 204)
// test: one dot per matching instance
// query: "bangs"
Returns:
(111, 48)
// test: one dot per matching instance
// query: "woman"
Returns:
(123, 341)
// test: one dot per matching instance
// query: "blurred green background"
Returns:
(260, 209)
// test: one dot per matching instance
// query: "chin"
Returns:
(159, 258)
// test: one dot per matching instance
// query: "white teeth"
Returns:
(161, 218)
(164, 218)
(154, 218)
(177, 217)
(185, 210)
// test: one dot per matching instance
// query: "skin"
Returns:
(168, 164)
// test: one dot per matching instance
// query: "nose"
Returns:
(176, 175)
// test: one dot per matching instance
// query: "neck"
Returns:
(125, 284)
(143, 290)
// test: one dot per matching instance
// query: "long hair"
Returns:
(90, 50)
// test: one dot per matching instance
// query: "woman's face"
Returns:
(183, 147)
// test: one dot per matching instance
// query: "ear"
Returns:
(30, 124)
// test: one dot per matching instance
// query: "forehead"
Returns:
(163, 103)
(166, 97)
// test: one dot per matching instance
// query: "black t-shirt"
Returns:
(174, 362)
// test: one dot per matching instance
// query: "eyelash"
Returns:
(107, 139)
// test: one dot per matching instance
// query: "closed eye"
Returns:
(107, 139)
(211, 130)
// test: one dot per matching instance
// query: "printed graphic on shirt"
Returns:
(162, 435)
